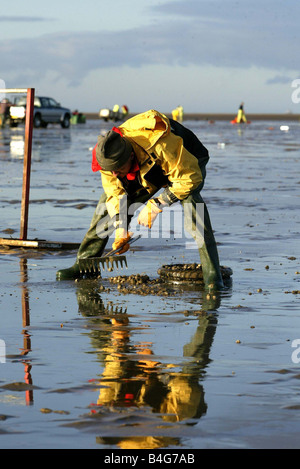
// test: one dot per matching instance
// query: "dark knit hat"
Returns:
(112, 151)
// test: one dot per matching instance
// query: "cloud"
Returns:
(26, 19)
(273, 15)
(279, 80)
(200, 33)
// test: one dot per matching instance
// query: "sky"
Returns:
(206, 55)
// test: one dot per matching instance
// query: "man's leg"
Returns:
(197, 223)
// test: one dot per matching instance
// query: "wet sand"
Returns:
(89, 365)
(224, 116)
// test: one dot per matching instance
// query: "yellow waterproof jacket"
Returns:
(153, 143)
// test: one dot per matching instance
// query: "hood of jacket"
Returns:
(146, 128)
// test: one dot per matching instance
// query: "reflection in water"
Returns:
(44, 142)
(4, 143)
(17, 145)
(26, 336)
(133, 377)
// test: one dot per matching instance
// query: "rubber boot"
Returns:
(197, 223)
(89, 248)
(71, 273)
(93, 243)
(209, 258)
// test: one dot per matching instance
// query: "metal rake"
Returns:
(91, 265)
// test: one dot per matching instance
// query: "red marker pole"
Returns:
(27, 163)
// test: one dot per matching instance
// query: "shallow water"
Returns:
(85, 366)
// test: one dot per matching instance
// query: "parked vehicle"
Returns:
(46, 111)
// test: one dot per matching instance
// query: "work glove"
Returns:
(149, 213)
(122, 237)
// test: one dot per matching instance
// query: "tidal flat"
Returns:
(85, 364)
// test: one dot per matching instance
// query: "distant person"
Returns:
(4, 111)
(144, 154)
(177, 114)
(116, 113)
(180, 113)
(241, 118)
(124, 110)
